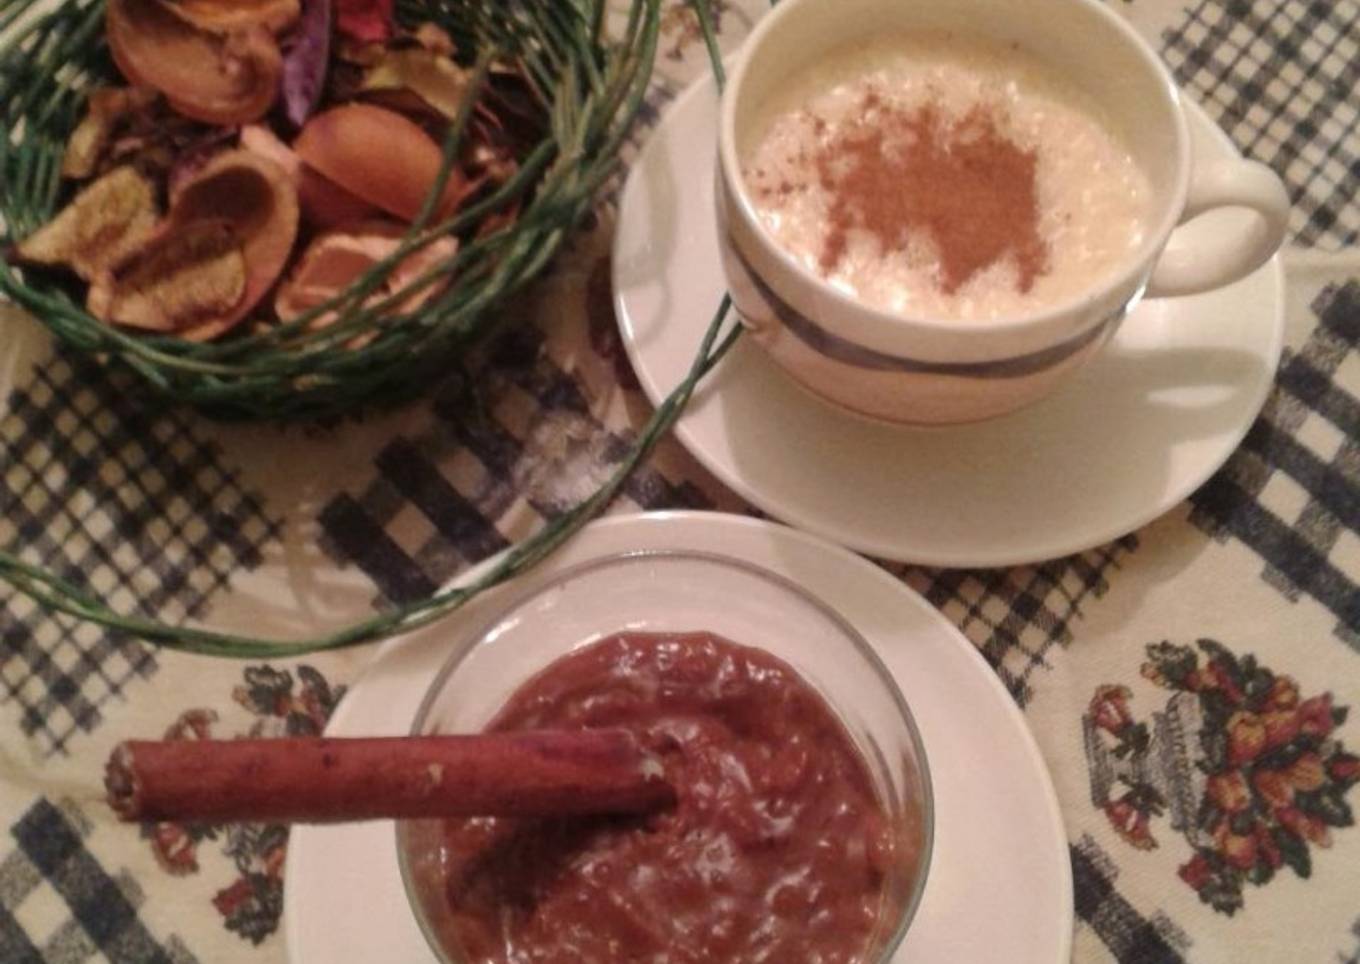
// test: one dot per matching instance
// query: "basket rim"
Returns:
(301, 368)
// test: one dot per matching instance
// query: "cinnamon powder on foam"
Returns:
(961, 183)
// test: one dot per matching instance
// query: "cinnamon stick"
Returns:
(320, 780)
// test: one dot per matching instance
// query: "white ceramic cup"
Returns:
(932, 370)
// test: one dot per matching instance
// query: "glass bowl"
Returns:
(674, 591)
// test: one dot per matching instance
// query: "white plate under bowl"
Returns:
(1139, 429)
(1000, 884)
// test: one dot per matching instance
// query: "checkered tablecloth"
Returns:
(1188, 684)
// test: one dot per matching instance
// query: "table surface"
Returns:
(1188, 683)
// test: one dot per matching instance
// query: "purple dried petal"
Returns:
(304, 65)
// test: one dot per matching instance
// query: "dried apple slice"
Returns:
(230, 78)
(259, 139)
(435, 39)
(221, 16)
(101, 226)
(379, 156)
(182, 277)
(256, 197)
(105, 109)
(195, 292)
(325, 204)
(336, 259)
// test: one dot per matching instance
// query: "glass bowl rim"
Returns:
(470, 641)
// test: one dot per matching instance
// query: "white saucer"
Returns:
(1136, 432)
(1000, 885)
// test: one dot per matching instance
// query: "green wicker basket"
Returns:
(590, 83)
(48, 60)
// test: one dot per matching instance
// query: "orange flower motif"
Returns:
(1153, 674)
(1109, 708)
(1246, 737)
(1304, 825)
(1283, 695)
(1229, 791)
(1344, 768)
(1315, 715)
(1196, 873)
(1274, 787)
(1281, 726)
(1220, 680)
(230, 898)
(1130, 823)
(175, 850)
(1306, 773)
(1266, 847)
(273, 861)
(1237, 849)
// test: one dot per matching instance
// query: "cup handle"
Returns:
(1184, 269)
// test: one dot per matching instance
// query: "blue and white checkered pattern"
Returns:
(1292, 491)
(527, 445)
(146, 510)
(134, 505)
(1280, 78)
(59, 905)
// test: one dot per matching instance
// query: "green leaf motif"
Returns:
(1217, 708)
(1214, 742)
(1223, 892)
(1294, 850)
(1329, 805)
(1282, 757)
(1208, 815)
(1258, 687)
(1218, 653)
(1174, 662)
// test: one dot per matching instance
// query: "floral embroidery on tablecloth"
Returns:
(1250, 770)
(251, 904)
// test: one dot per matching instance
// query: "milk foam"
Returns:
(1094, 200)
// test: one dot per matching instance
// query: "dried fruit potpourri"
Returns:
(339, 145)
(190, 277)
(219, 76)
(334, 260)
(105, 223)
(359, 111)
(307, 60)
(229, 127)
